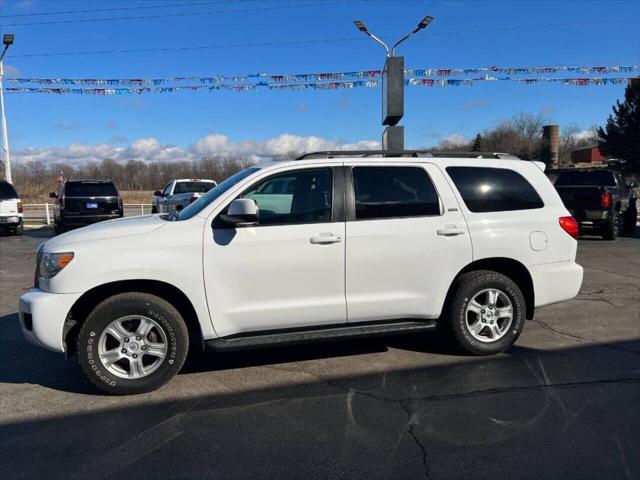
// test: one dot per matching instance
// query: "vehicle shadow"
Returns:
(549, 414)
(26, 363)
(40, 232)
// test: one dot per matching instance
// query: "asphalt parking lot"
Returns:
(563, 403)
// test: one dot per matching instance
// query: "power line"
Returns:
(119, 9)
(309, 42)
(183, 14)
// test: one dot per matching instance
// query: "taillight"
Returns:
(193, 199)
(569, 225)
(19, 206)
(119, 201)
(605, 200)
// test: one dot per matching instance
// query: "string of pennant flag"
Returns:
(418, 82)
(259, 78)
(321, 81)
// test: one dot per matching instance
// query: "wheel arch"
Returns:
(513, 269)
(91, 298)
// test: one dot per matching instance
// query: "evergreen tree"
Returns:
(620, 138)
(477, 143)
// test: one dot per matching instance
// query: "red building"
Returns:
(587, 155)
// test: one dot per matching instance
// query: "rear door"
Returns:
(406, 241)
(8, 200)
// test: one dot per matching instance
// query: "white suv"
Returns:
(335, 245)
(11, 216)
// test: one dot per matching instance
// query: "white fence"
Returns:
(42, 213)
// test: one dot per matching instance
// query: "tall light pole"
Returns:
(393, 87)
(7, 40)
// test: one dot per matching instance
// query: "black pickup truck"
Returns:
(600, 199)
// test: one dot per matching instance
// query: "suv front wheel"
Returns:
(132, 343)
(486, 313)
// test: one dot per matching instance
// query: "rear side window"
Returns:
(90, 190)
(388, 192)
(195, 187)
(7, 192)
(494, 189)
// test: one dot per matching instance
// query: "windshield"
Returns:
(206, 199)
(7, 191)
(195, 187)
(600, 178)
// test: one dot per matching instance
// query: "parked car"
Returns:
(600, 199)
(11, 216)
(327, 247)
(84, 202)
(177, 194)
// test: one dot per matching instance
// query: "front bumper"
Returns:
(43, 315)
(556, 282)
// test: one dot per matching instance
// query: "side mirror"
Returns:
(53, 195)
(157, 193)
(242, 212)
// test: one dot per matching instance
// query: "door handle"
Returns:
(325, 239)
(451, 231)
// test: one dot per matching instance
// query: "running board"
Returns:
(323, 334)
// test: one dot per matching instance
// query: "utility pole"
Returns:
(393, 87)
(7, 41)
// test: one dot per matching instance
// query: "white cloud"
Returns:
(454, 140)
(152, 150)
(584, 135)
(10, 71)
(68, 126)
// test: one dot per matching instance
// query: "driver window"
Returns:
(297, 197)
(167, 189)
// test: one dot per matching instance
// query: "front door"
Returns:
(406, 241)
(288, 270)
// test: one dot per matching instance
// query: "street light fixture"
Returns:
(424, 23)
(393, 87)
(7, 41)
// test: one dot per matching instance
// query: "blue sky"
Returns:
(162, 126)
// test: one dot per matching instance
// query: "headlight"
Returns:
(52, 263)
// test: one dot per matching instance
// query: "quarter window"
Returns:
(494, 189)
(296, 197)
(388, 192)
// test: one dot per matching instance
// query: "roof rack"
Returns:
(405, 153)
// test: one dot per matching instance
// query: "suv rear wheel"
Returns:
(486, 313)
(132, 343)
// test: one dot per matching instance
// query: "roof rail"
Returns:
(404, 153)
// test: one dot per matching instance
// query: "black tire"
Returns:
(455, 315)
(155, 308)
(19, 230)
(58, 228)
(154, 209)
(610, 228)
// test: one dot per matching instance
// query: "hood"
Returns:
(121, 227)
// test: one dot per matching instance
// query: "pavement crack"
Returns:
(576, 338)
(412, 433)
